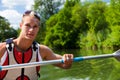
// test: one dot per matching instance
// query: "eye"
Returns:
(28, 25)
(35, 26)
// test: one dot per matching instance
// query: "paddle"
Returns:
(76, 59)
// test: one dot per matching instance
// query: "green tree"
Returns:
(97, 25)
(96, 16)
(114, 23)
(5, 30)
(113, 12)
(60, 30)
(79, 21)
(46, 8)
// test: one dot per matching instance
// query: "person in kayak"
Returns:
(24, 49)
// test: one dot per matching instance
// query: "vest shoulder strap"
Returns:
(9, 44)
(35, 46)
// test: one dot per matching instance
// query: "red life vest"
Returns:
(12, 56)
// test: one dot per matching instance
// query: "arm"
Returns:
(2, 49)
(48, 54)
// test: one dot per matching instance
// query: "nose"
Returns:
(31, 28)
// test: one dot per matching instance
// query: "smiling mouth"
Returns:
(30, 34)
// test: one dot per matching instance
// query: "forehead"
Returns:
(30, 19)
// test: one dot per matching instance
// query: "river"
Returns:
(95, 69)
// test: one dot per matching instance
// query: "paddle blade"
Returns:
(117, 55)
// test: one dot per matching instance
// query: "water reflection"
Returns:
(97, 69)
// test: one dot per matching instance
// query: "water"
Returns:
(96, 69)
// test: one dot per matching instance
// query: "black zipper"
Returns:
(22, 70)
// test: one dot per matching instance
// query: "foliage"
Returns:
(114, 38)
(60, 30)
(96, 16)
(97, 25)
(114, 24)
(46, 8)
(5, 30)
(92, 24)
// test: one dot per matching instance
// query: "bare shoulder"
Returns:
(46, 52)
(45, 48)
(2, 48)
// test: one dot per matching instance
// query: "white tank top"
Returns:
(16, 57)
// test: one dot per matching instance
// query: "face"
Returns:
(29, 27)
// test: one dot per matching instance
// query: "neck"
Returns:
(22, 44)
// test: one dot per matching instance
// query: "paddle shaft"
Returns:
(92, 57)
(76, 59)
